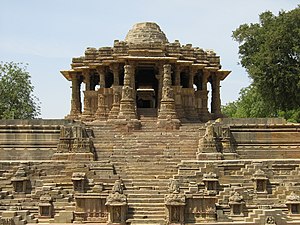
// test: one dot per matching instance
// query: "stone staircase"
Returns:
(146, 161)
(147, 114)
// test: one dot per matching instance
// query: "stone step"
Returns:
(135, 195)
(146, 216)
(146, 205)
(145, 200)
(146, 221)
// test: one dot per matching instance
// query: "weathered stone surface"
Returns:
(143, 58)
(129, 161)
(146, 33)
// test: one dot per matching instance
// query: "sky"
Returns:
(47, 34)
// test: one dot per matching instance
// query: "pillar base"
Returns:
(127, 125)
(168, 124)
(114, 112)
(127, 110)
(215, 116)
(72, 117)
(191, 113)
(87, 117)
(204, 115)
(101, 113)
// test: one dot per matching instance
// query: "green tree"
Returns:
(249, 104)
(16, 98)
(270, 52)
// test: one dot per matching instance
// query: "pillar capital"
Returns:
(114, 67)
(193, 71)
(85, 73)
(178, 69)
(115, 70)
(206, 73)
(87, 79)
(100, 69)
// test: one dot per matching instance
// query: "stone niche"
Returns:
(293, 204)
(79, 181)
(46, 207)
(117, 204)
(175, 204)
(90, 207)
(74, 144)
(20, 181)
(260, 181)
(210, 181)
(237, 204)
(200, 208)
(208, 146)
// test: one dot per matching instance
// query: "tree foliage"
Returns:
(16, 98)
(249, 104)
(270, 52)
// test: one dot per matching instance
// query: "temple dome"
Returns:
(144, 33)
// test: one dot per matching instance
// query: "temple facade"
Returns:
(146, 76)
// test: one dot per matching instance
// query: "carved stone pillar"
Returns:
(177, 75)
(167, 117)
(191, 78)
(87, 104)
(101, 113)
(127, 106)
(177, 94)
(216, 100)
(203, 111)
(75, 99)
(114, 112)
(101, 73)
(159, 78)
(190, 107)
(178, 102)
(127, 118)
(115, 69)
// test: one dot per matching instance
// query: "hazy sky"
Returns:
(47, 34)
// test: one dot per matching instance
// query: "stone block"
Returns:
(9, 214)
(64, 217)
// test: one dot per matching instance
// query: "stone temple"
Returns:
(146, 76)
(140, 146)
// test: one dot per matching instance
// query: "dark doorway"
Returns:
(146, 86)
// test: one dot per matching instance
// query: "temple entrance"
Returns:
(146, 88)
